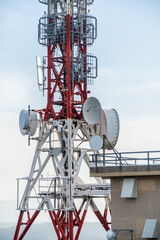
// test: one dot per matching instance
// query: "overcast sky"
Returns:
(128, 51)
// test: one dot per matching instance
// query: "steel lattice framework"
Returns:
(62, 141)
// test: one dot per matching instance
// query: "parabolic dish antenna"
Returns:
(96, 143)
(27, 122)
(109, 124)
(91, 110)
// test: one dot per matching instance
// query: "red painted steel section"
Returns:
(77, 218)
(71, 225)
(102, 220)
(105, 213)
(99, 216)
(59, 81)
(85, 52)
(59, 226)
(29, 225)
(68, 63)
(81, 224)
(63, 227)
(49, 76)
(28, 215)
(18, 225)
(54, 224)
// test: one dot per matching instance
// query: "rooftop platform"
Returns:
(125, 164)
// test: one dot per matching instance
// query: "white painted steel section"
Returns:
(68, 7)
(66, 165)
(79, 166)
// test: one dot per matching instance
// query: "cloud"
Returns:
(9, 17)
(127, 82)
(129, 75)
(139, 134)
(15, 90)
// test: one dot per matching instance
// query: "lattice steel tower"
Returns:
(67, 29)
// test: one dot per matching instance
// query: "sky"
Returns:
(128, 51)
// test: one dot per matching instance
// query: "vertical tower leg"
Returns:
(29, 224)
(99, 216)
(82, 220)
(71, 225)
(54, 224)
(18, 225)
(106, 211)
(59, 225)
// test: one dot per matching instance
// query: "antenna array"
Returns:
(65, 128)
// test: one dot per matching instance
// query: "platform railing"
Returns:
(117, 231)
(141, 158)
(53, 186)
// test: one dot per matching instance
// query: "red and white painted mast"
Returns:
(63, 135)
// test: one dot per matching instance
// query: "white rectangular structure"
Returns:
(150, 229)
(129, 188)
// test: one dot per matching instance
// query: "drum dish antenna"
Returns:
(28, 122)
(109, 127)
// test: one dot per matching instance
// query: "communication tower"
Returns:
(69, 129)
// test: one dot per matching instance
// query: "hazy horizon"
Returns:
(45, 231)
(128, 50)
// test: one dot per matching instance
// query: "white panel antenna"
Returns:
(91, 110)
(109, 124)
(39, 71)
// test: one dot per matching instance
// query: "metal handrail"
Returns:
(125, 159)
(117, 231)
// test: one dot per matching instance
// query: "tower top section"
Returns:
(53, 22)
(67, 31)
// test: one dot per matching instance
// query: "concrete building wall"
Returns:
(132, 213)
